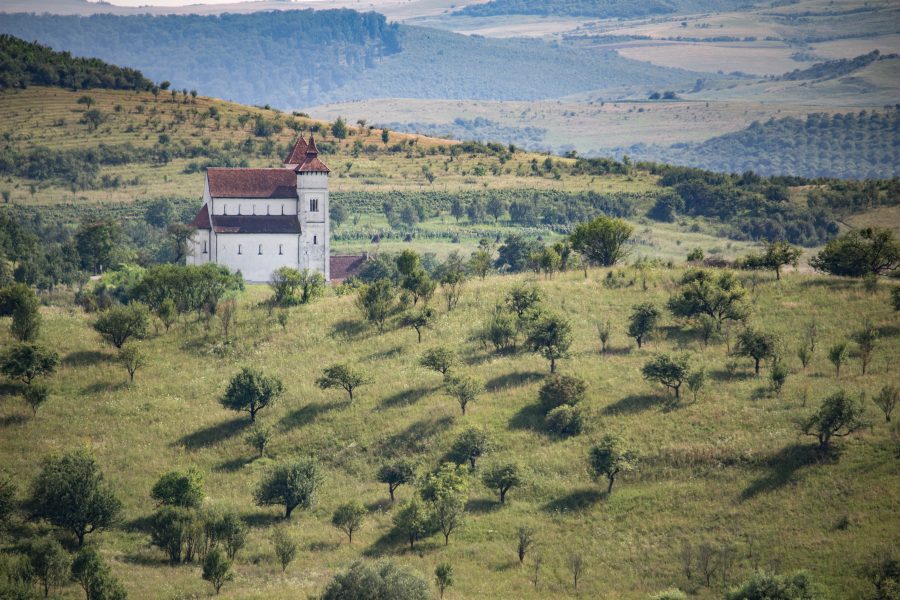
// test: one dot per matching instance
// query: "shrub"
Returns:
(502, 478)
(217, 569)
(838, 416)
(285, 547)
(858, 253)
(609, 458)
(558, 390)
(291, 484)
(385, 581)
(121, 323)
(250, 391)
(564, 420)
(349, 517)
(763, 586)
(179, 488)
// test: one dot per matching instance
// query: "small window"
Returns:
(204, 248)
(282, 209)
(260, 249)
(313, 205)
(315, 240)
(240, 248)
(224, 209)
(280, 249)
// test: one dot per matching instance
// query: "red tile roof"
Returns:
(201, 221)
(252, 183)
(298, 153)
(256, 224)
(343, 267)
(311, 148)
(313, 165)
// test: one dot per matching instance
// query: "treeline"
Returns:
(848, 146)
(835, 68)
(29, 63)
(592, 8)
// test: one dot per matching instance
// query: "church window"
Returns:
(204, 248)
(315, 240)
(239, 248)
(313, 205)
(260, 249)
(280, 249)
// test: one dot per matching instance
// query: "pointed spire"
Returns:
(311, 149)
(297, 154)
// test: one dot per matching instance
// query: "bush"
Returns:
(179, 488)
(121, 323)
(564, 420)
(559, 390)
(763, 586)
(384, 581)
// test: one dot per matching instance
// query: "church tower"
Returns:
(312, 210)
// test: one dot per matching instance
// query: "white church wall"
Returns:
(241, 252)
(254, 206)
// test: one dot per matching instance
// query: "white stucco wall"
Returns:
(241, 252)
(253, 206)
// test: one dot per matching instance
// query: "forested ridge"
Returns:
(594, 8)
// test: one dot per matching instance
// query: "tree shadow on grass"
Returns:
(511, 380)
(85, 358)
(576, 501)
(15, 419)
(617, 351)
(104, 386)
(886, 331)
(386, 354)
(380, 505)
(529, 417)
(483, 505)
(265, 519)
(725, 376)
(414, 439)
(320, 546)
(634, 403)
(407, 397)
(349, 328)
(395, 542)
(783, 468)
(140, 524)
(235, 464)
(212, 434)
(308, 413)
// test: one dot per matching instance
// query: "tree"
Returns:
(291, 484)
(838, 416)
(8, 502)
(36, 396)
(179, 488)
(167, 313)
(453, 277)
(179, 235)
(456, 208)
(756, 345)
(869, 251)
(837, 354)
(250, 391)
(575, 562)
(464, 389)
(385, 136)
(122, 323)
(96, 242)
(564, 420)
(604, 331)
(524, 298)
(777, 376)
(26, 361)
(469, 446)
(49, 562)
(258, 438)
(412, 520)
(70, 492)
(502, 478)
(763, 586)
(775, 256)
(230, 530)
(887, 400)
(296, 287)
(349, 517)
(285, 547)
(396, 474)
(94, 576)
(440, 359)
(376, 300)
(217, 569)
(339, 128)
(169, 530)
(480, 262)
(883, 572)
(721, 297)
(525, 537)
(642, 321)
(609, 458)
(384, 581)
(419, 320)
(551, 336)
(26, 318)
(337, 213)
(446, 490)
(344, 376)
(669, 371)
(695, 381)
(501, 330)
(559, 390)
(443, 576)
(866, 339)
(601, 241)
(132, 357)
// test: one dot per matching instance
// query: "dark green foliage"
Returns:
(36, 395)
(602, 241)
(606, 9)
(229, 530)
(419, 320)
(669, 371)
(558, 390)
(377, 301)
(70, 492)
(883, 572)
(96, 242)
(609, 458)
(191, 288)
(258, 438)
(8, 502)
(831, 69)
(869, 251)
(26, 361)
(464, 389)
(26, 319)
(217, 569)
(564, 420)
(349, 517)
(721, 296)
(296, 287)
(642, 321)
(122, 323)
(763, 586)
(515, 252)
(501, 330)
(291, 484)
(285, 547)
(439, 359)
(886, 400)
(179, 488)
(384, 581)
(469, 446)
(346, 377)
(94, 576)
(23, 64)
(412, 520)
(251, 391)
(170, 531)
(550, 336)
(775, 256)
(757, 345)
(396, 474)
(443, 577)
(49, 562)
(503, 478)
(838, 416)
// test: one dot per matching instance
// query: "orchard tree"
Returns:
(36, 396)
(179, 488)
(480, 262)
(26, 361)
(440, 359)
(377, 301)
(447, 490)
(524, 298)
(722, 297)
(412, 520)
(443, 577)
(250, 391)
(887, 400)
(669, 371)
(217, 569)
(344, 376)
(349, 518)
(94, 576)
(837, 354)
(119, 324)
(866, 339)
(49, 562)
(559, 390)
(503, 478)
(643, 321)
(470, 445)
(609, 458)
(70, 492)
(465, 389)
(258, 438)
(452, 277)
(601, 241)
(382, 580)
(551, 336)
(397, 473)
(860, 252)
(419, 320)
(285, 547)
(132, 357)
(838, 416)
(291, 484)
(756, 345)
(775, 256)
(525, 537)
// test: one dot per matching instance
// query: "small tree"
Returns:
(452, 278)
(230, 530)
(559, 390)
(443, 576)
(564, 420)
(887, 399)
(866, 339)
(469, 446)
(412, 520)
(419, 320)
(550, 336)
(804, 353)
(49, 562)
(94, 576)
(35, 396)
(763, 586)
(132, 358)
(250, 391)
(602, 241)
(860, 252)
(604, 331)
(258, 438)
(291, 484)
(464, 389)
(575, 563)
(446, 491)
(70, 492)
(609, 458)
(838, 416)
(440, 359)
(642, 321)
(669, 371)
(778, 376)
(121, 323)
(343, 376)
(179, 488)
(696, 381)
(285, 547)
(167, 313)
(480, 263)
(8, 503)
(227, 312)
(837, 354)
(377, 301)
(26, 361)
(721, 296)
(775, 256)
(524, 298)
(349, 518)
(502, 478)
(217, 569)
(397, 473)
(26, 317)
(756, 345)
(525, 537)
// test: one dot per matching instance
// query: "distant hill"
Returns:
(835, 68)
(596, 8)
(850, 146)
(294, 59)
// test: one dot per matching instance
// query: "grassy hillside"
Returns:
(729, 470)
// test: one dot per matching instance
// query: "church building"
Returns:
(258, 220)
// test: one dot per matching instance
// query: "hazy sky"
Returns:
(188, 2)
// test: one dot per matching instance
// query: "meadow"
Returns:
(729, 469)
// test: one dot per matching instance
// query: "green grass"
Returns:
(728, 468)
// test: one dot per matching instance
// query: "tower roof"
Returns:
(312, 164)
(297, 154)
(311, 148)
